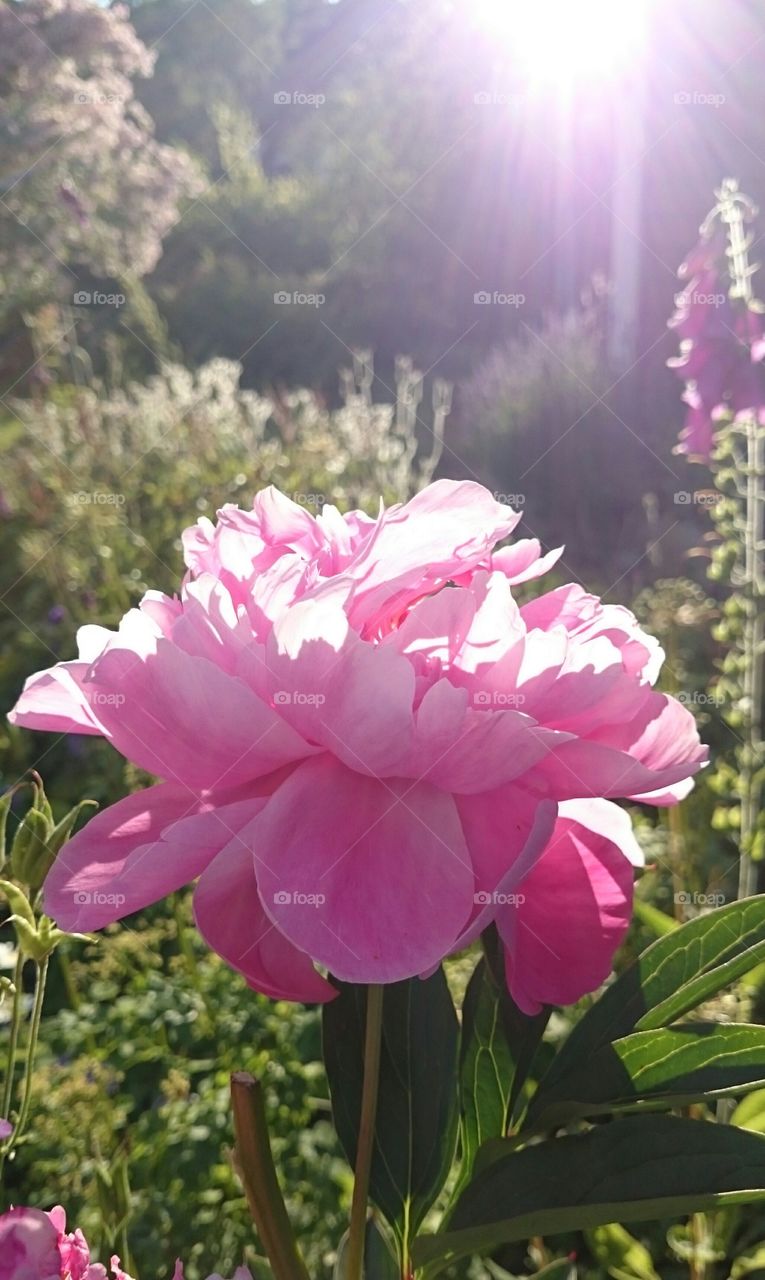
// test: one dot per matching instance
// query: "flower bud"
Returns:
(31, 859)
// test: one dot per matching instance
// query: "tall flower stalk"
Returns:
(722, 328)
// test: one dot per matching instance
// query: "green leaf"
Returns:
(523, 1033)
(675, 974)
(746, 1263)
(750, 1112)
(417, 1107)
(379, 1262)
(624, 1257)
(671, 1066)
(486, 1068)
(632, 1170)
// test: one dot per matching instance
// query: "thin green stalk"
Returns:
(13, 1041)
(753, 658)
(41, 976)
(733, 211)
(363, 1166)
(14, 1034)
(255, 1166)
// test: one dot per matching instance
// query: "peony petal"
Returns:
(138, 850)
(668, 796)
(465, 749)
(231, 919)
(506, 831)
(573, 908)
(447, 529)
(336, 689)
(28, 1246)
(54, 701)
(372, 879)
(184, 719)
(523, 561)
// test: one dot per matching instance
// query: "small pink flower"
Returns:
(369, 751)
(6, 1129)
(722, 343)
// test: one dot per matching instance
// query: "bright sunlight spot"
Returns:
(562, 40)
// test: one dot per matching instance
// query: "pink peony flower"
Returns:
(370, 751)
(36, 1246)
(28, 1246)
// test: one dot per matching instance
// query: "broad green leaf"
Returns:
(675, 974)
(417, 1109)
(486, 1068)
(632, 1170)
(672, 1066)
(379, 1262)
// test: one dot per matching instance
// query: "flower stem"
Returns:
(255, 1166)
(372, 1047)
(13, 1040)
(754, 656)
(14, 1033)
(41, 976)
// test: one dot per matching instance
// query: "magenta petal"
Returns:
(138, 850)
(372, 879)
(230, 917)
(573, 908)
